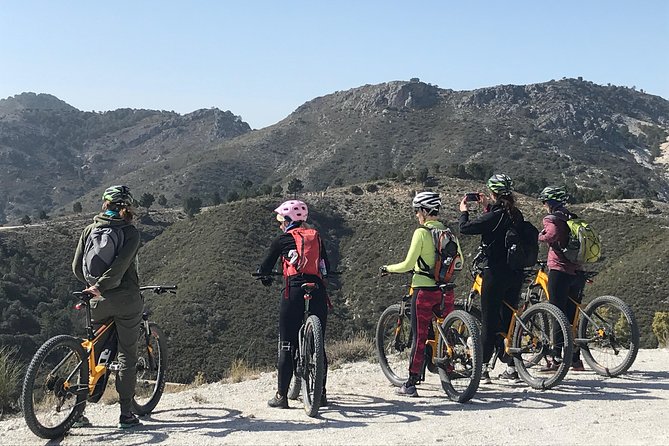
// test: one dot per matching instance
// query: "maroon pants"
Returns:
(424, 302)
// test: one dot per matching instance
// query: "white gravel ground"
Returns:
(585, 410)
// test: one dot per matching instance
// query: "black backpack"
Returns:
(522, 245)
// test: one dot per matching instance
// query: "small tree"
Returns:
(192, 206)
(43, 215)
(26, 220)
(162, 200)
(146, 200)
(216, 198)
(277, 190)
(294, 186)
(421, 175)
(246, 187)
(77, 208)
(338, 182)
(233, 195)
(265, 189)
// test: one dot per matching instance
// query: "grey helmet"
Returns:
(556, 193)
(430, 201)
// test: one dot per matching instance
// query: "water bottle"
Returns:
(292, 256)
(104, 356)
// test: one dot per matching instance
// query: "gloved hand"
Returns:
(383, 270)
(266, 280)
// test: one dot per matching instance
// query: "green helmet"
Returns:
(119, 195)
(500, 184)
(557, 193)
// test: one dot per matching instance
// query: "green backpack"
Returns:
(584, 245)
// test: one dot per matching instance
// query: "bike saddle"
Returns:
(309, 287)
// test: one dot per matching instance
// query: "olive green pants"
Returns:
(127, 315)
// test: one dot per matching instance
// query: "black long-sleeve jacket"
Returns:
(492, 226)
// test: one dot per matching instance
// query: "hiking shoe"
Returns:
(510, 377)
(128, 421)
(485, 377)
(577, 366)
(550, 366)
(409, 391)
(80, 422)
(278, 401)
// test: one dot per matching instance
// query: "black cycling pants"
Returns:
(498, 285)
(565, 290)
(291, 316)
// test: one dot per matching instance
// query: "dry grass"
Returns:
(10, 378)
(358, 348)
(240, 370)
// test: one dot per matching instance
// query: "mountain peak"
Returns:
(33, 101)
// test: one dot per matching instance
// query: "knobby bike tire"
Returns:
(313, 364)
(464, 356)
(387, 345)
(151, 371)
(55, 384)
(631, 339)
(475, 312)
(543, 312)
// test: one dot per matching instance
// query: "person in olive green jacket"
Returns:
(116, 292)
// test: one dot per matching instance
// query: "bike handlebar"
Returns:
(159, 289)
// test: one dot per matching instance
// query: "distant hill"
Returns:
(603, 141)
(51, 153)
(221, 313)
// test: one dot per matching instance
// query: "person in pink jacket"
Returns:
(565, 279)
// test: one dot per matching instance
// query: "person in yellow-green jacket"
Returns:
(427, 296)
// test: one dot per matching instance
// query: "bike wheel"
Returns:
(460, 358)
(473, 311)
(534, 345)
(151, 370)
(55, 387)
(313, 365)
(393, 344)
(608, 335)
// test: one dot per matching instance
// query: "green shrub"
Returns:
(10, 378)
(661, 328)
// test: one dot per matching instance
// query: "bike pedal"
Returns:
(114, 366)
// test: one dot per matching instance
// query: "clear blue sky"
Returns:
(262, 59)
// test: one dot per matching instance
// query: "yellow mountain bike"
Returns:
(452, 350)
(529, 338)
(605, 329)
(67, 372)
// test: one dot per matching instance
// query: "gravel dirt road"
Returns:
(586, 409)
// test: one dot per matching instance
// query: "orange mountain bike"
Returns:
(529, 337)
(605, 329)
(67, 372)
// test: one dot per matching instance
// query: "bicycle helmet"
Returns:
(500, 184)
(292, 210)
(430, 201)
(119, 195)
(555, 193)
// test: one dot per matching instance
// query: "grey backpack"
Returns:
(100, 251)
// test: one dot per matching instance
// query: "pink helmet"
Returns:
(294, 210)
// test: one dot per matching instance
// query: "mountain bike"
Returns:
(67, 371)
(453, 349)
(605, 329)
(530, 337)
(309, 362)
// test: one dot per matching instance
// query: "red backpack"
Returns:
(305, 259)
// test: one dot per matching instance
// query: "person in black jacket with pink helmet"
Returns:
(301, 264)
